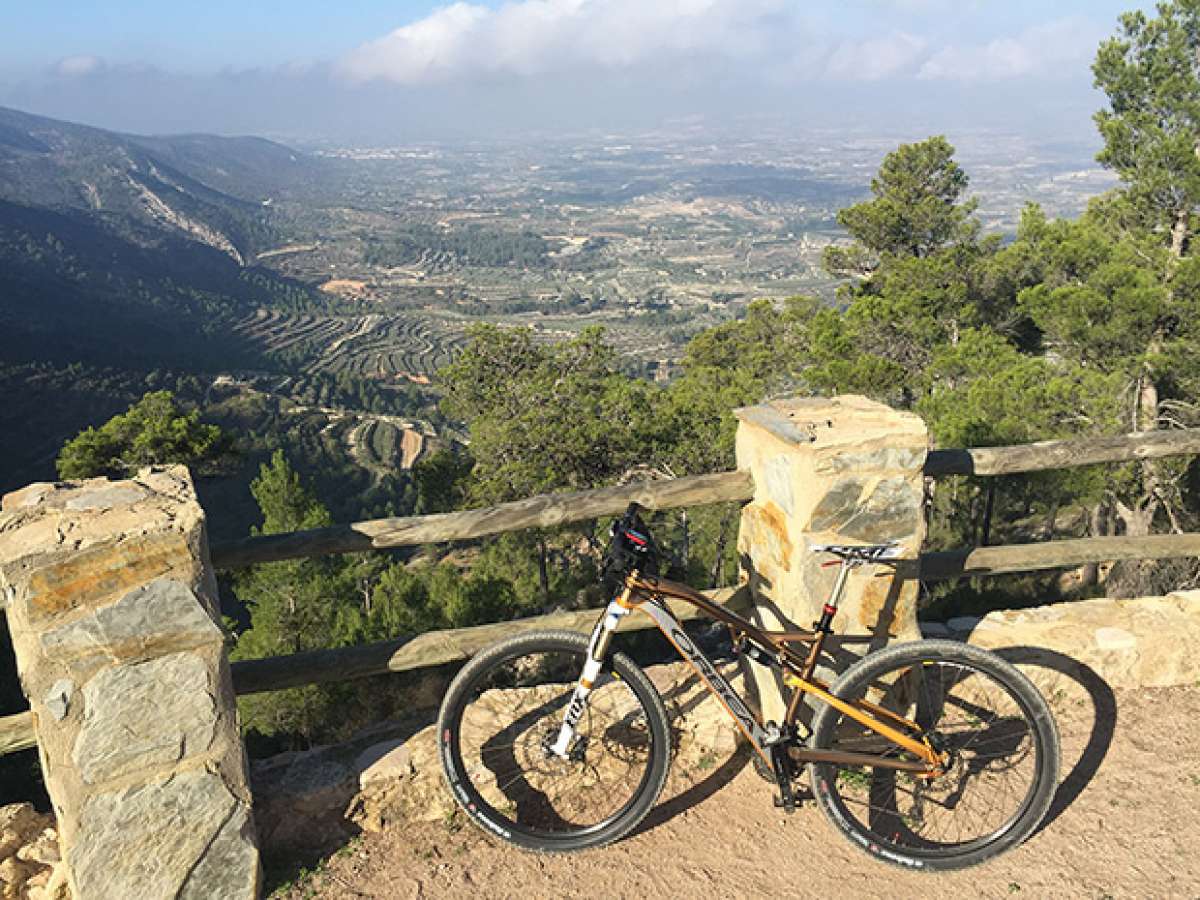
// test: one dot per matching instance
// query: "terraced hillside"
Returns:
(385, 443)
(401, 345)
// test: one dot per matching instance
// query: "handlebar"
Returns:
(632, 546)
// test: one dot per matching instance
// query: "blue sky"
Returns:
(308, 67)
(201, 35)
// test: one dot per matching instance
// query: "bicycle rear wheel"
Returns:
(995, 727)
(503, 712)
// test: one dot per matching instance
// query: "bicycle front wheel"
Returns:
(504, 711)
(989, 720)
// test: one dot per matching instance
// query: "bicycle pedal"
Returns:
(774, 734)
(787, 805)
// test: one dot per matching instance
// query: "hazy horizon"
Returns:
(393, 72)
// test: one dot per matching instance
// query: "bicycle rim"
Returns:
(995, 778)
(507, 715)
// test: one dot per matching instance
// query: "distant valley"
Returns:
(307, 297)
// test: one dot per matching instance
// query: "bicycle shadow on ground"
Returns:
(698, 792)
(681, 699)
(1086, 709)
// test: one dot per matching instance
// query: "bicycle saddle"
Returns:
(862, 552)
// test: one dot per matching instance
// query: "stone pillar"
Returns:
(827, 471)
(112, 606)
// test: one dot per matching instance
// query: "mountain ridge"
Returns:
(205, 188)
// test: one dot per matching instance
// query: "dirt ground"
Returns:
(1125, 824)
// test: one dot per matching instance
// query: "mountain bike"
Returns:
(930, 755)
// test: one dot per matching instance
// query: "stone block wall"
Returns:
(112, 606)
(1138, 642)
(829, 471)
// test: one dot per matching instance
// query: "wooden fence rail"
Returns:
(16, 733)
(550, 510)
(543, 511)
(1009, 558)
(404, 654)
(1046, 455)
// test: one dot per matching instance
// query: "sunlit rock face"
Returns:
(842, 470)
(112, 606)
(1134, 642)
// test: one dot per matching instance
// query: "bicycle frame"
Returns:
(649, 595)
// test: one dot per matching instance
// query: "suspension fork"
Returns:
(598, 647)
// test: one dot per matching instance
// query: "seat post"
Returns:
(823, 625)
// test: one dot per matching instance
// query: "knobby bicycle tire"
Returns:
(997, 729)
(501, 713)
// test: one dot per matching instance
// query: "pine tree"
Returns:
(920, 271)
(544, 418)
(294, 605)
(1145, 281)
(154, 431)
(1150, 73)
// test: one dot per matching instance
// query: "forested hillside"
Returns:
(72, 291)
(204, 189)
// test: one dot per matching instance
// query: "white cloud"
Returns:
(1037, 50)
(76, 66)
(875, 58)
(772, 38)
(531, 37)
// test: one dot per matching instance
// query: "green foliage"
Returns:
(474, 244)
(1151, 128)
(521, 559)
(926, 278)
(1112, 299)
(560, 416)
(1094, 300)
(734, 364)
(286, 504)
(984, 392)
(918, 209)
(441, 481)
(309, 604)
(543, 417)
(415, 599)
(294, 606)
(154, 431)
